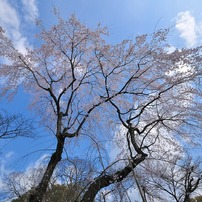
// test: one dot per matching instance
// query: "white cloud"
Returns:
(10, 21)
(186, 25)
(8, 15)
(22, 181)
(31, 9)
(190, 29)
(32, 175)
(9, 155)
(4, 159)
(39, 163)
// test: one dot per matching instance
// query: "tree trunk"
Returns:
(187, 198)
(38, 194)
(106, 180)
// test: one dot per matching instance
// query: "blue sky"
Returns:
(125, 19)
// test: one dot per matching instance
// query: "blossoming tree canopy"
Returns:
(76, 79)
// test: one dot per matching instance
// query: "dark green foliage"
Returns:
(62, 193)
(57, 193)
(21, 199)
(197, 199)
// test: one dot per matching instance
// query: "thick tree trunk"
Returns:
(187, 198)
(106, 180)
(38, 194)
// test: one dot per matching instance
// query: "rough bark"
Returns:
(106, 180)
(40, 190)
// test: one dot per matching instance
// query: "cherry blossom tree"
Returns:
(83, 86)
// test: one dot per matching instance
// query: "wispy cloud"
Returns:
(3, 170)
(190, 29)
(30, 9)
(187, 27)
(11, 21)
(8, 16)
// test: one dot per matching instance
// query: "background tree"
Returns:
(12, 126)
(18, 184)
(84, 87)
(175, 180)
(66, 184)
